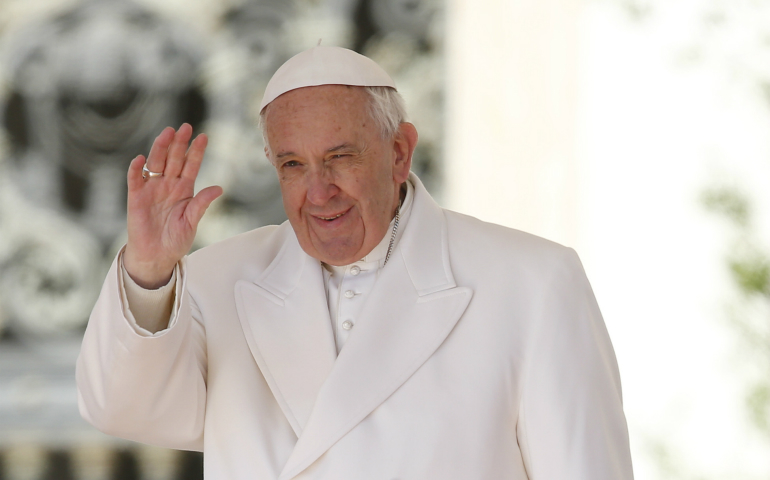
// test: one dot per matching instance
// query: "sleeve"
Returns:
(146, 388)
(148, 311)
(571, 422)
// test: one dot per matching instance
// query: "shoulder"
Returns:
(470, 235)
(245, 255)
(478, 245)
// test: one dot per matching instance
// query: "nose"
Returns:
(321, 187)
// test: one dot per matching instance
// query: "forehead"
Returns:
(323, 109)
(306, 97)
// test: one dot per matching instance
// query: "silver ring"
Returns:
(146, 173)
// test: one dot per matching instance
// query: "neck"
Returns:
(401, 198)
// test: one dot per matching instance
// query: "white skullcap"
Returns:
(325, 66)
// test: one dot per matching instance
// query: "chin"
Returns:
(333, 255)
(338, 260)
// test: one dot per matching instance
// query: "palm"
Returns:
(163, 214)
(161, 220)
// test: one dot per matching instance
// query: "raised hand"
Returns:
(163, 214)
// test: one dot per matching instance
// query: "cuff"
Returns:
(150, 312)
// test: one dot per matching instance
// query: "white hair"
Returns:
(386, 108)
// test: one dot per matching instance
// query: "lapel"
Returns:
(412, 309)
(285, 319)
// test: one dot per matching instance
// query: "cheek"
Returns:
(372, 182)
(381, 185)
(293, 197)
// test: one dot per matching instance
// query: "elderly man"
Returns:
(372, 336)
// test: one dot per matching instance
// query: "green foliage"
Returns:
(752, 273)
(758, 402)
(749, 266)
(728, 202)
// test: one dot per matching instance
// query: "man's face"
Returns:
(339, 179)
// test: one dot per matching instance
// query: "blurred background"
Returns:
(634, 131)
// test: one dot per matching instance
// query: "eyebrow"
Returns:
(342, 147)
(338, 148)
(284, 154)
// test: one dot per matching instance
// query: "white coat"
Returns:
(480, 354)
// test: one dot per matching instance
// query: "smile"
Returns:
(331, 218)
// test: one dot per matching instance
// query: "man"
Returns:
(372, 336)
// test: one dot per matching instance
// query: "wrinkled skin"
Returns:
(163, 211)
(340, 180)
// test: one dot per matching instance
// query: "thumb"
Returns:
(200, 203)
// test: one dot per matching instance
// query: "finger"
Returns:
(176, 152)
(156, 160)
(200, 203)
(195, 156)
(135, 180)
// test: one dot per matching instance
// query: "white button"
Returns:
(350, 294)
(355, 270)
(347, 324)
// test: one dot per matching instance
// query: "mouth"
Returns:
(330, 218)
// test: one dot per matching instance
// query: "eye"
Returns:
(291, 163)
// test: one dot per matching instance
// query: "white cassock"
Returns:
(476, 352)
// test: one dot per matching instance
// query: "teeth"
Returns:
(332, 218)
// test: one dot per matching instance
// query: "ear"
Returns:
(404, 144)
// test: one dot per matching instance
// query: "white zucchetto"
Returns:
(325, 66)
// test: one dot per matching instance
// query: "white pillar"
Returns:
(511, 95)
